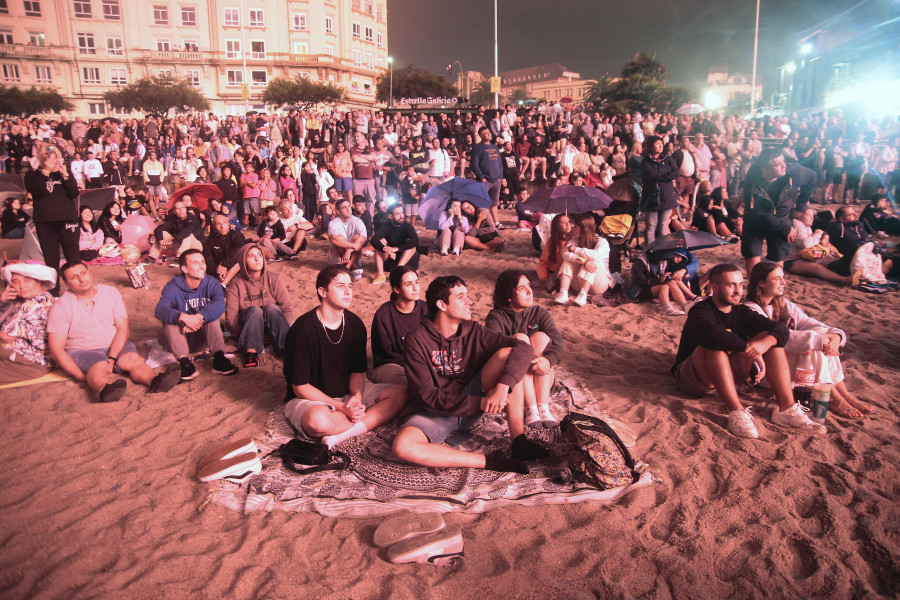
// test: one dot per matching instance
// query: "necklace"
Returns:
(327, 335)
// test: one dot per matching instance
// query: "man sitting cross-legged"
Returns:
(87, 332)
(724, 342)
(516, 314)
(392, 321)
(458, 370)
(348, 238)
(325, 368)
(395, 244)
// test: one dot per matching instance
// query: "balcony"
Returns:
(31, 50)
(168, 56)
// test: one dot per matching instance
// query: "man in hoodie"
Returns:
(516, 314)
(220, 249)
(181, 229)
(189, 308)
(325, 368)
(457, 371)
(257, 302)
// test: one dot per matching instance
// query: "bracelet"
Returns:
(115, 359)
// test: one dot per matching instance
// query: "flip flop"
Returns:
(235, 467)
(113, 391)
(436, 548)
(235, 448)
(406, 526)
(165, 380)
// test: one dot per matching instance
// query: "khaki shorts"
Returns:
(687, 381)
(296, 408)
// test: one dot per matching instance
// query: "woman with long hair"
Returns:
(90, 237)
(766, 295)
(551, 255)
(658, 199)
(14, 219)
(110, 222)
(342, 165)
(585, 265)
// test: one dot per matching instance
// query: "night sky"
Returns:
(594, 37)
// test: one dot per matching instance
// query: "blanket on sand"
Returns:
(376, 483)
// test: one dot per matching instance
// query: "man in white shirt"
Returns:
(93, 171)
(438, 163)
(348, 237)
(295, 225)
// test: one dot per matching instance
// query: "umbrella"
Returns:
(574, 199)
(458, 188)
(96, 199)
(690, 109)
(200, 192)
(566, 100)
(685, 240)
(135, 230)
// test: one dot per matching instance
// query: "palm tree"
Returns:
(644, 67)
(598, 91)
(482, 94)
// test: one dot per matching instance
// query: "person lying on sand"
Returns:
(457, 371)
(724, 342)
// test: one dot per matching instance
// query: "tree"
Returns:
(482, 94)
(413, 82)
(302, 90)
(157, 95)
(642, 87)
(644, 67)
(517, 95)
(18, 102)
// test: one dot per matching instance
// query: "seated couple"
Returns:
(457, 370)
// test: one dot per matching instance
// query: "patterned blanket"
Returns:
(376, 483)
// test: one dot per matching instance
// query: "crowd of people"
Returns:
(357, 178)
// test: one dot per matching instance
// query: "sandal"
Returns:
(846, 411)
(858, 404)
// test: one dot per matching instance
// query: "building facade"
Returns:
(228, 49)
(551, 82)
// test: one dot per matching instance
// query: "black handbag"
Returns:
(304, 457)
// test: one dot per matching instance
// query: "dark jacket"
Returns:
(180, 228)
(531, 320)
(222, 250)
(403, 237)
(657, 192)
(439, 369)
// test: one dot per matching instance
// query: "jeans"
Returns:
(658, 218)
(256, 321)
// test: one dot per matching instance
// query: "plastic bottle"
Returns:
(821, 396)
(804, 380)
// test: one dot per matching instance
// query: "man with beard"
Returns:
(220, 249)
(395, 244)
(768, 203)
(725, 342)
(847, 234)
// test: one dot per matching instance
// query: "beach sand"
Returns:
(102, 501)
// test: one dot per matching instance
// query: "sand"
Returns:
(101, 501)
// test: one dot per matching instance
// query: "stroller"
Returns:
(620, 223)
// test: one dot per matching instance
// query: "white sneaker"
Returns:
(740, 423)
(562, 297)
(795, 417)
(581, 298)
(437, 548)
(356, 274)
(691, 303)
(672, 310)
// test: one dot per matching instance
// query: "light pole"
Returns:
(753, 79)
(391, 84)
(496, 74)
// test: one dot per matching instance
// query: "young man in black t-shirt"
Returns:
(325, 368)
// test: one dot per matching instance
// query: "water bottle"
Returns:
(804, 380)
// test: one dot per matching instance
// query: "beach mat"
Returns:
(378, 484)
(48, 378)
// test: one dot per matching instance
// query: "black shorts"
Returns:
(513, 185)
(759, 228)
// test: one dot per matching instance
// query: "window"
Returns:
(380, 62)
(193, 77)
(370, 60)
(329, 25)
(232, 17)
(36, 38)
(86, 43)
(97, 108)
(304, 74)
(114, 45)
(380, 39)
(379, 13)
(355, 4)
(163, 45)
(111, 10)
(235, 78)
(160, 14)
(232, 48)
(10, 73)
(257, 49)
(82, 9)
(191, 45)
(117, 76)
(90, 74)
(4, 9)
(299, 21)
(354, 85)
(165, 74)
(368, 6)
(357, 58)
(257, 18)
(369, 34)
(329, 50)
(301, 48)
(6, 36)
(356, 30)
(32, 8)
(258, 78)
(188, 16)
(42, 74)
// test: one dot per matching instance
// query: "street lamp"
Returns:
(391, 84)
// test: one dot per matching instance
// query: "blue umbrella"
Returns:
(458, 188)
(569, 199)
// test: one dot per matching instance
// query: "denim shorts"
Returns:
(85, 359)
(437, 428)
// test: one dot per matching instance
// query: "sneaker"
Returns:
(456, 252)
(238, 447)
(562, 297)
(403, 527)
(251, 359)
(236, 467)
(672, 310)
(435, 548)
(690, 304)
(379, 279)
(581, 298)
(188, 370)
(223, 366)
(356, 274)
(368, 253)
(740, 423)
(113, 392)
(795, 417)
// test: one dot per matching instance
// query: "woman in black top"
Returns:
(55, 197)
(110, 222)
(14, 220)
